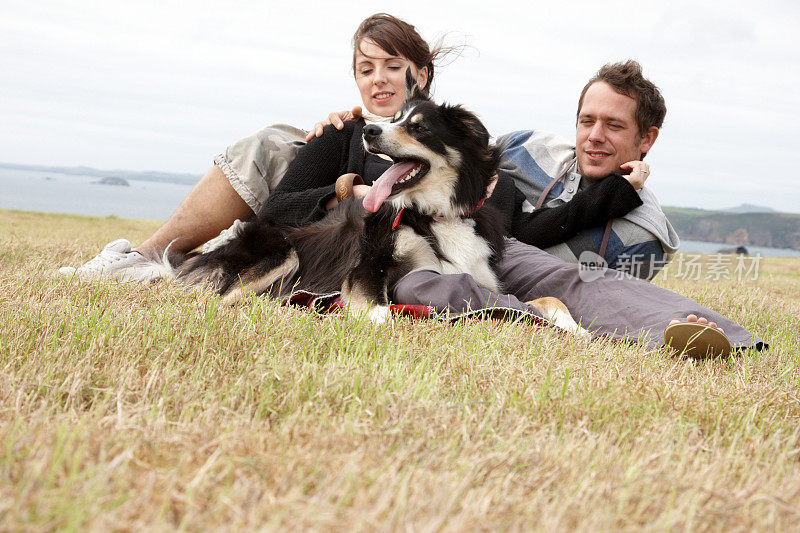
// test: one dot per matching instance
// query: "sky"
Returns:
(164, 85)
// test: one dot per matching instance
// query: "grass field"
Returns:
(129, 407)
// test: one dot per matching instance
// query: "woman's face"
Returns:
(381, 78)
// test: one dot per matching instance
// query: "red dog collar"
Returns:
(399, 218)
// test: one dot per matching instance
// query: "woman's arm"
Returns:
(308, 185)
(611, 197)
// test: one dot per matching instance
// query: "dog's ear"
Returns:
(413, 92)
(462, 120)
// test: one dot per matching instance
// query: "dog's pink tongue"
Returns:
(382, 187)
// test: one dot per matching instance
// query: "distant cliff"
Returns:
(778, 230)
(145, 175)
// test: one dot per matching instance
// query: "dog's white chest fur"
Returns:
(464, 251)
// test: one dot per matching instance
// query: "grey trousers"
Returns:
(607, 303)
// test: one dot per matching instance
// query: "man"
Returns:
(581, 202)
(594, 209)
(618, 120)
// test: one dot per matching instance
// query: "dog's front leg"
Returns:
(364, 289)
(361, 296)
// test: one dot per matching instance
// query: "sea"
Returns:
(701, 247)
(53, 192)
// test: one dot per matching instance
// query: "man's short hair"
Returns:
(626, 78)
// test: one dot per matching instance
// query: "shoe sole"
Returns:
(697, 340)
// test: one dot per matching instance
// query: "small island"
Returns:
(121, 182)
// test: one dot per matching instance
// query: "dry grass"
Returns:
(141, 407)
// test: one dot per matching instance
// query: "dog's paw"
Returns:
(554, 311)
(379, 314)
(565, 322)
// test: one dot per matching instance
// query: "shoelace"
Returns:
(106, 257)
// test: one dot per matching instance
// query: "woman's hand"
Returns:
(636, 172)
(337, 119)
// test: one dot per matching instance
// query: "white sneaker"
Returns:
(112, 262)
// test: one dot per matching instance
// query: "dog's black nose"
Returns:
(371, 131)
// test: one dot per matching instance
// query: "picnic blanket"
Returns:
(333, 303)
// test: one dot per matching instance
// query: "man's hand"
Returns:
(360, 191)
(636, 172)
(491, 186)
(337, 119)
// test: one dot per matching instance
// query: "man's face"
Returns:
(607, 134)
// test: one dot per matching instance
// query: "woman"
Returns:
(246, 173)
(384, 47)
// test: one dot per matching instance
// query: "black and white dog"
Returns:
(425, 211)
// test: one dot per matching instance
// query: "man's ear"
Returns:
(413, 92)
(648, 139)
